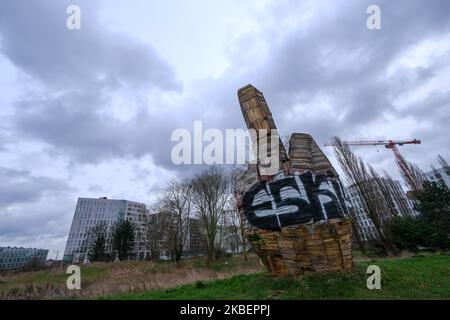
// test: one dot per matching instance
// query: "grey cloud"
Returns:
(432, 112)
(34, 221)
(339, 58)
(35, 38)
(78, 71)
(337, 55)
(20, 186)
(33, 206)
(73, 126)
(333, 56)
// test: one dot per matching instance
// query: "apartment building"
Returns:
(401, 204)
(160, 235)
(90, 212)
(12, 258)
(441, 174)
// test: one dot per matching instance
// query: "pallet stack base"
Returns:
(321, 246)
(294, 216)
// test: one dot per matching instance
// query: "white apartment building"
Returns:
(403, 206)
(439, 174)
(90, 212)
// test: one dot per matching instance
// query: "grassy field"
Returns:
(418, 277)
(99, 279)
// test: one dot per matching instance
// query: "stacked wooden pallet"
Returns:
(255, 109)
(322, 246)
(316, 246)
(258, 117)
(300, 152)
(305, 155)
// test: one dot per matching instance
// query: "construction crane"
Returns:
(401, 162)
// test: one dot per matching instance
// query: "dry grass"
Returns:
(101, 279)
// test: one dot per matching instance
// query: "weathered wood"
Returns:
(257, 116)
(322, 244)
(305, 154)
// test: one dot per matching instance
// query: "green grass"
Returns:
(50, 276)
(418, 277)
(100, 279)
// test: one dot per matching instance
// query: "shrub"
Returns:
(434, 204)
(411, 233)
(35, 264)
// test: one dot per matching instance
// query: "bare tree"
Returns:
(399, 201)
(417, 178)
(176, 203)
(239, 222)
(211, 192)
(156, 231)
(370, 188)
(236, 229)
(348, 161)
(444, 165)
(384, 198)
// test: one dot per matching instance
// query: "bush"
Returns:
(434, 204)
(34, 264)
(411, 233)
(221, 254)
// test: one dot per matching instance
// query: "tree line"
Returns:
(202, 208)
(396, 227)
(206, 199)
(108, 245)
(205, 206)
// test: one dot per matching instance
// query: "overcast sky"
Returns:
(89, 113)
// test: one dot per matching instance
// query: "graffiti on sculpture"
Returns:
(294, 199)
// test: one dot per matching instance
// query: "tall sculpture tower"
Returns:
(295, 217)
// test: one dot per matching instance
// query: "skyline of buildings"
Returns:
(401, 204)
(192, 244)
(15, 258)
(91, 211)
(442, 174)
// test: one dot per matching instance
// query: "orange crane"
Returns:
(401, 162)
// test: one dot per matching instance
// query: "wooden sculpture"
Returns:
(295, 216)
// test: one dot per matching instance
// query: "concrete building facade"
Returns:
(12, 258)
(90, 212)
(402, 206)
(441, 174)
(194, 244)
(159, 241)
